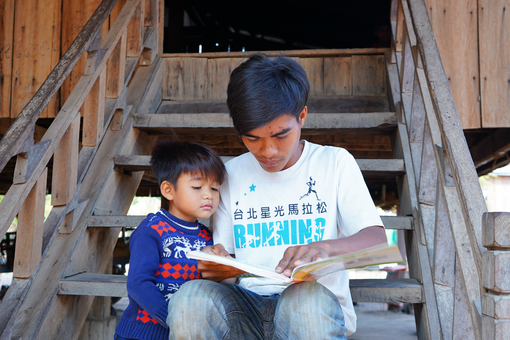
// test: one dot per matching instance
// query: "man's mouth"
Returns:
(269, 162)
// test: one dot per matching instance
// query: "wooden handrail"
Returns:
(13, 142)
(464, 171)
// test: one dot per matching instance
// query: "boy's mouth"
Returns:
(207, 206)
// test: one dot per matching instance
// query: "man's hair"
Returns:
(169, 160)
(265, 88)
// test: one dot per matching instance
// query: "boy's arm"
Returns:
(298, 255)
(145, 245)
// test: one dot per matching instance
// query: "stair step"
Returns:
(220, 123)
(390, 222)
(369, 167)
(389, 290)
(351, 104)
(366, 290)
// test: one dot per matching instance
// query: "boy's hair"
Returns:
(263, 89)
(169, 160)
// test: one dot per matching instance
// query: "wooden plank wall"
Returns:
(34, 34)
(6, 36)
(207, 78)
(455, 27)
(36, 50)
(494, 62)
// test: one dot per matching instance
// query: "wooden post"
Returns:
(30, 230)
(65, 166)
(135, 32)
(93, 112)
(116, 68)
(496, 276)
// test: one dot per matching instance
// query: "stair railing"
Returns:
(98, 95)
(448, 199)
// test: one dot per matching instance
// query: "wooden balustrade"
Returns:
(496, 276)
(104, 79)
(449, 202)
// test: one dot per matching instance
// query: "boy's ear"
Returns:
(302, 116)
(167, 190)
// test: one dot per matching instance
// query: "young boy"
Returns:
(189, 176)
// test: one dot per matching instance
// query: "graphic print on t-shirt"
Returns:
(310, 189)
(300, 222)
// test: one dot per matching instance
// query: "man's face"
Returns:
(276, 145)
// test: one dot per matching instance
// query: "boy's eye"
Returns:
(196, 188)
(215, 189)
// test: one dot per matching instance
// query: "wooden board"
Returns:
(184, 78)
(455, 28)
(496, 230)
(36, 51)
(337, 76)
(494, 35)
(218, 76)
(315, 73)
(389, 290)
(30, 230)
(369, 75)
(159, 122)
(6, 47)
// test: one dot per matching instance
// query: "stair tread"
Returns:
(369, 167)
(351, 104)
(385, 122)
(362, 290)
(390, 222)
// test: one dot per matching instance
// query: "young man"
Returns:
(285, 203)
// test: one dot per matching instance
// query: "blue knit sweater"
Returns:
(158, 266)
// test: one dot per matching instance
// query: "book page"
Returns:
(230, 261)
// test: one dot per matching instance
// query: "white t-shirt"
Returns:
(322, 196)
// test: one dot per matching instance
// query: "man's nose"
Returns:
(268, 148)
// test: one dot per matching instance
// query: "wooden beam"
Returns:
(288, 53)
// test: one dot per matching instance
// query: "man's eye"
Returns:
(282, 137)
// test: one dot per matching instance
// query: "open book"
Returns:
(312, 271)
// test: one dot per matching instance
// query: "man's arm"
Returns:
(298, 255)
(214, 271)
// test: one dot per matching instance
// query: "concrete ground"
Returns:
(376, 322)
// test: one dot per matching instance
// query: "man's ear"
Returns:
(302, 116)
(167, 190)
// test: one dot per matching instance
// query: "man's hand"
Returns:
(214, 271)
(298, 255)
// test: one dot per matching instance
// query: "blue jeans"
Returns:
(203, 309)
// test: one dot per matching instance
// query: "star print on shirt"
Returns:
(252, 188)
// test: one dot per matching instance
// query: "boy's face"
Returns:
(193, 197)
(276, 145)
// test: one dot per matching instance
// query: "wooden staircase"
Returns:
(391, 108)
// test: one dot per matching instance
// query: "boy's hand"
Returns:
(298, 255)
(214, 271)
